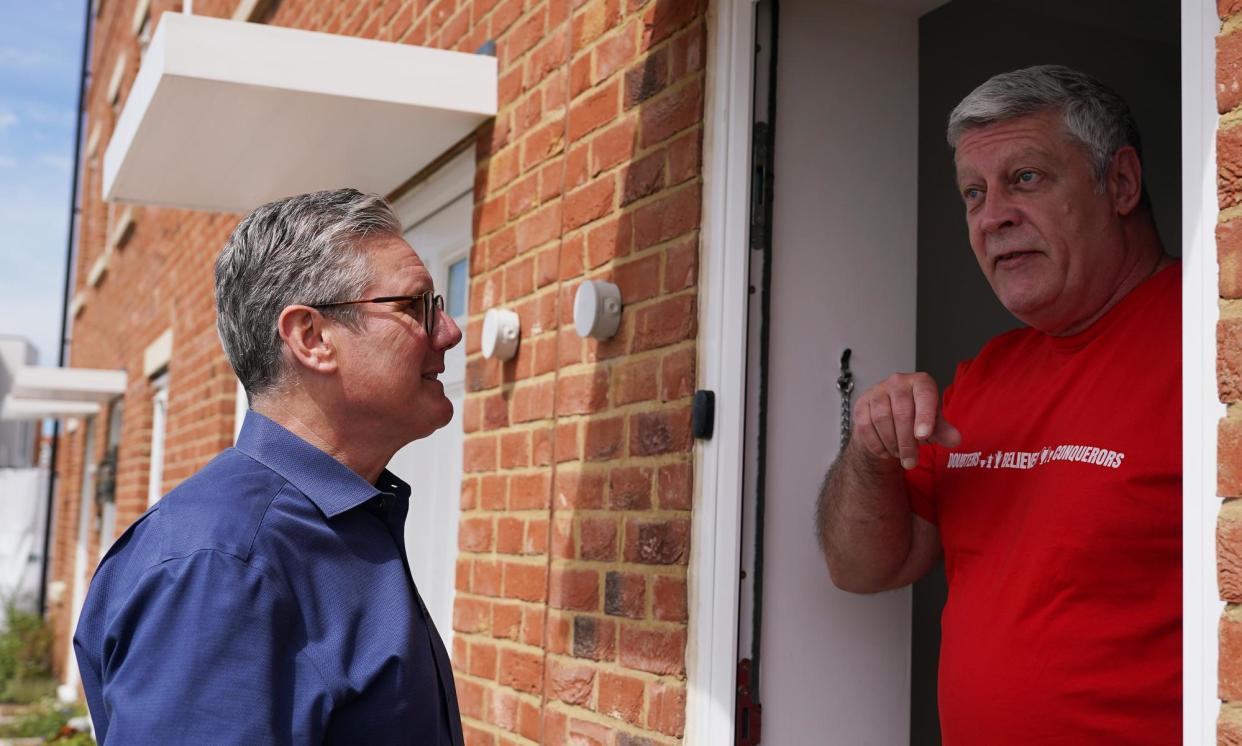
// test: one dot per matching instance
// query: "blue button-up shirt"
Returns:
(266, 600)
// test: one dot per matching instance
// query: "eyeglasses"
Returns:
(425, 306)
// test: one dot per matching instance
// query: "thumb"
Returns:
(945, 434)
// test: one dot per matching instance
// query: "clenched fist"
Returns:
(895, 415)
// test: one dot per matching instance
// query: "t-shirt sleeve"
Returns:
(205, 649)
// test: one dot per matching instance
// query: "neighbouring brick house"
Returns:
(595, 593)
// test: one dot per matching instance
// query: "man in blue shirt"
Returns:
(268, 598)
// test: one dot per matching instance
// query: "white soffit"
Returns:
(13, 408)
(225, 115)
(67, 384)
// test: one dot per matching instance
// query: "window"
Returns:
(159, 420)
(455, 295)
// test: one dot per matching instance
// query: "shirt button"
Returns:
(384, 502)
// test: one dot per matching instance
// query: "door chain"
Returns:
(845, 385)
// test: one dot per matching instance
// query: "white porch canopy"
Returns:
(226, 115)
(37, 392)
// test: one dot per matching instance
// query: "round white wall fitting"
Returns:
(597, 309)
(501, 330)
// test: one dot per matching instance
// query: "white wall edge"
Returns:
(716, 541)
(1201, 605)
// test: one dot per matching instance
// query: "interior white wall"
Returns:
(843, 275)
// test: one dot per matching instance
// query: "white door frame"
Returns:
(716, 549)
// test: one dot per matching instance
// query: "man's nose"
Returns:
(447, 333)
(998, 212)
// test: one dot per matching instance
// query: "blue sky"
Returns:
(40, 53)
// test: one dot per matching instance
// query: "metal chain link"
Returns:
(845, 385)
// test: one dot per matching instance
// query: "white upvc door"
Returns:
(437, 216)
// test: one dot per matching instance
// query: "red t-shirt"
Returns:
(1061, 520)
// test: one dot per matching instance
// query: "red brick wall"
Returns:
(571, 612)
(1229, 366)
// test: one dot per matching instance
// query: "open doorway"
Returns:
(866, 249)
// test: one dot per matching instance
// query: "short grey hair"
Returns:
(1095, 116)
(299, 250)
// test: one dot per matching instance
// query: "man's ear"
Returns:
(1125, 180)
(307, 338)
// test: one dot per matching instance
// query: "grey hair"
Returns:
(1095, 116)
(299, 250)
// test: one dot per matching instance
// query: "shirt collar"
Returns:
(329, 484)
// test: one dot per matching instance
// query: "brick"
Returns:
(495, 412)
(594, 638)
(525, 582)
(1229, 258)
(598, 539)
(635, 381)
(536, 541)
(608, 240)
(522, 197)
(533, 623)
(625, 594)
(681, 267)
(493, 491)
(470, 615)
(532, 401)
(663, 18)
(575, 590)
(579, 490)
(592, 110)
(589, 203)
(510, 534)
(529, 491)
(653, 650)
(544, 142)
(621, 697)
(677, 374)
(614, 52)
(547, 58)
(657, 541)
(664, 323)
(629, 488)
(675, 487)
(1229, 457)
(485, 578)
(667, 217)
(475, 534)
(646, 78)
(570, 683)
(1229, 166)
(482, 660)
(582, 394)
(638, 280)
(643, 177)
(1226, 8)
(603, 439)
(670, 113)
(479, 453)
(472, 698)
(469, 493)
(667, 710)
(614, 145)
(665, 430)
(688, 51)
(539, 227)
(1229, 551)
(668, 599)
(504, 712)
(586, 733)
(1228, 359)
(506, 621)
(514, 450)
(521, 670)
(592, 20)
(1228, 71)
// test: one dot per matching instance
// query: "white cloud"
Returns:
(58, 162)
(7, 119)
(15, 58)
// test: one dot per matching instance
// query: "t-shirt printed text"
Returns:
(1081, 454)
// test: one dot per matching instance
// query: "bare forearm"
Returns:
(864, 522)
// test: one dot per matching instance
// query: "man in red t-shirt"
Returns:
(1051, 477)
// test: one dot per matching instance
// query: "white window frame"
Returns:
(159, 431)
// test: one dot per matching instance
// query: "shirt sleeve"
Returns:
(209, 649)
